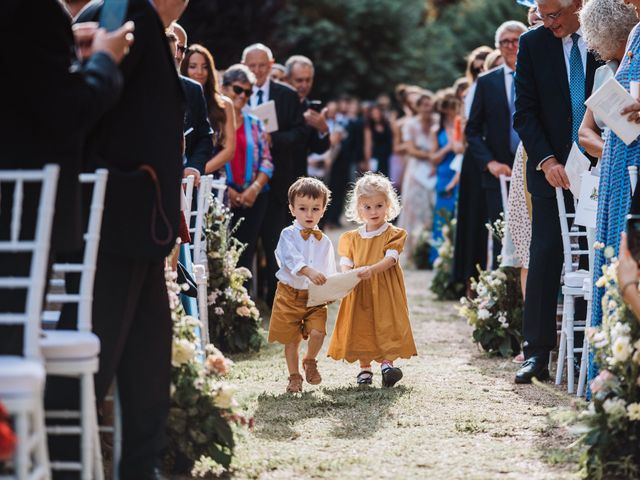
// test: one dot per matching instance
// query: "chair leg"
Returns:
(41, 450)
(98, 467)
(563, 342)
(87, 425)
(570, 344)
(117, 433)
(22, 450)
(584, 360)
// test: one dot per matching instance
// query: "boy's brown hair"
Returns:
(309, 187)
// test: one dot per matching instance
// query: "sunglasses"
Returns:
(238, 90)
(182, 49)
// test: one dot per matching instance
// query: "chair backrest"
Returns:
(207, 185)
(504, 192)
(35, 283)
(569, 248)
(187, 191)
(86, 269)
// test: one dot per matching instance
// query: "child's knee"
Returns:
(316, 335)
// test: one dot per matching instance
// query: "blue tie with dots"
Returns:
(576, 87)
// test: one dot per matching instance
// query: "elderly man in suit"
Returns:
(492, 140)
(291, 133)
(299, 73)
(554, 74)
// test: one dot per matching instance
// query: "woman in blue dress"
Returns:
(448, 107)
(614, 198)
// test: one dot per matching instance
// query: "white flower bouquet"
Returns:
(609, 425)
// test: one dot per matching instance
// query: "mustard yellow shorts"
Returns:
(291, 319)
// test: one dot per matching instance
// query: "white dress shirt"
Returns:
(253, 101)
(293, 253)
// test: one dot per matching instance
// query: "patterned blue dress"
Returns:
(445, 201)
(614, 197)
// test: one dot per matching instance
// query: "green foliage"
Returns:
(359, 47)
(234, 320)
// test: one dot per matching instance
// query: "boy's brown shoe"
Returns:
(311, 371)
(295, 383)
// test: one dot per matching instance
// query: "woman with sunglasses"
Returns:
(250, 168)
(198, 65)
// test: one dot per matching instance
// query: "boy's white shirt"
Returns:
(293, 253)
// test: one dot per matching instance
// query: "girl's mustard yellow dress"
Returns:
(373, 321)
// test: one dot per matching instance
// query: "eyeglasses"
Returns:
(552, 17)
(509, 42)
(181, 48)
(238, 90)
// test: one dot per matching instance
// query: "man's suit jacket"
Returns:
(488, 129)
(543, 103)
(48, 103)
(141, 217)
(313, 143)
(290, 135)
(198, 143)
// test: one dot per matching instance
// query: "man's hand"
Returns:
(365, 273)
(633, 112)
(627, 265)
(555, 174)
(496, 169)
(90, 39)
(315, 276)
(195, 173)
(316, 120)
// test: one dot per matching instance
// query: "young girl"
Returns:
(373, 321)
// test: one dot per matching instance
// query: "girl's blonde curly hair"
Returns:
(371, 184)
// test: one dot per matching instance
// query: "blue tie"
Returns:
(259, 93)
(515, 139)
(576, 87)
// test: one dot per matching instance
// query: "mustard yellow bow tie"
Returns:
(307, 232)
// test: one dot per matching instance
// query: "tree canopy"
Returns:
(358, 47)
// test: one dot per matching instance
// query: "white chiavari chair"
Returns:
(572, 289)
(22, 378)
(74, 353)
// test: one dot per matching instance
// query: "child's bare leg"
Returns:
(291, 354)
(316, 338)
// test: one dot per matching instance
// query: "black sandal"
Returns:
(365, 377)
(391, 376)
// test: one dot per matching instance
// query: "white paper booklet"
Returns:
(337, 286)
(267, 113)
(587, 209)
(607, 102)
(577, 164)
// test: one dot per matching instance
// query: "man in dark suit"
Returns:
(554, 74)
(198, 133)
(299, 73)
(48, 104)
(490, 134)
(291, 133)
(140, 142)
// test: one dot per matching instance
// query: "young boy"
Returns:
(304, 255)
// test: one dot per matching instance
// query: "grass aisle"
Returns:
(455, 415)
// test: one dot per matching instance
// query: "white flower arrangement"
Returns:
(609, 425)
